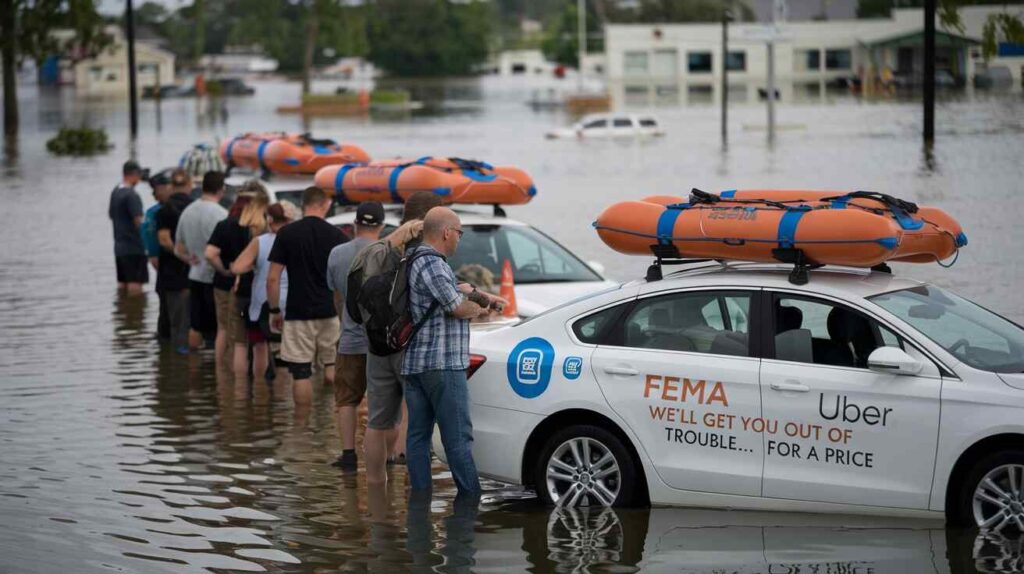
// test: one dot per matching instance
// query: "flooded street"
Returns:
(116, 455)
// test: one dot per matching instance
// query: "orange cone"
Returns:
(508, 291)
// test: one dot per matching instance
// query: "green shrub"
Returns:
(329, 99)
(79, 141)
(389, 97)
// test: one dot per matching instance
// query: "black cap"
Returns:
(162, 177)
(370, 213)
(131, 167)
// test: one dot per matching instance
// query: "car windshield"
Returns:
(535, 257)
(971, 333)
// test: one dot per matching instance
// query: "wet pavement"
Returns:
(118, 455)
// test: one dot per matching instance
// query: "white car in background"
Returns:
(727, 386)
(545, 273)
(603, 126)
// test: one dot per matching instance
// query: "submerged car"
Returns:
(728, 386)
(601, 126)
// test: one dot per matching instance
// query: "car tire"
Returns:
(600, 481)
(972, 511)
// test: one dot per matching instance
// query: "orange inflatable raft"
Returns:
(858, 229)
(455, 180)
(287, 153)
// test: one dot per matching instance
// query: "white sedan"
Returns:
(602, 126)
(728, 386)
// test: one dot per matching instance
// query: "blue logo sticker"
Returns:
(529, 367)
(572, 367)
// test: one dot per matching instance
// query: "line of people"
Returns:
(244, 279)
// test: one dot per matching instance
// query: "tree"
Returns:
(26, 31)
(428, 37)
(562, 42)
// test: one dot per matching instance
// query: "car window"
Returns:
(594, 124)
(535, 258)
(703, 322)
(973, 334)
(622, 123)
(590, 328)
(648, 123)
(824, 333)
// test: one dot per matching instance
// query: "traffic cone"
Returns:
(508, 291)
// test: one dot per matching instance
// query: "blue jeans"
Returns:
(442, 397)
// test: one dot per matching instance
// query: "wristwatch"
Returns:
(275, 310)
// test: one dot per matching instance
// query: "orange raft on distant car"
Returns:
(859, 229)
(455, 180)
(287, 153)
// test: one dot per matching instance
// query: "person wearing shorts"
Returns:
(126, 215)
(310, 327)
(350, 369)
(195, 226)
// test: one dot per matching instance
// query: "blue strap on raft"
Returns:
(667, 222)
(393, 183)
(787, 226)
(259, 154)
(227, 152)
(339, 181)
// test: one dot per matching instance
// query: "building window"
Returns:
(95, 73)
(807, 60)
(148, 68)
(701, 94)
(637, 95)
(664, 95)
(838, 60)
(736, 62)
(665, 63)
(634, 64)
(699, 62)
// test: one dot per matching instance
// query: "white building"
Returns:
(239, 60)
(648, 64)
(527, 62)
(107, 73)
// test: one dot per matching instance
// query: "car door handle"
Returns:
(790, 386)
(624, 371)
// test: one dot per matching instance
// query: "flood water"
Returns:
(117, 455)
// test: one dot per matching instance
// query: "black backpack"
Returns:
(381, 304)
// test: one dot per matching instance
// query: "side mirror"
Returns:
(597, 266)
(894, 361)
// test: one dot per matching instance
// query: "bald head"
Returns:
(441, 230)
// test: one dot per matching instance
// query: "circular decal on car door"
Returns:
(529, 367)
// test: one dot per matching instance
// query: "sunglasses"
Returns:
(459, 231)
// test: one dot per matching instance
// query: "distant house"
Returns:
(107, 72)
(239, 60)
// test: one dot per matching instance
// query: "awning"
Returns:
(916, 39)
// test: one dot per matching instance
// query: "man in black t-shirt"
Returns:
(172, 270)
(126, 214)
(228, 240)
(311, 327)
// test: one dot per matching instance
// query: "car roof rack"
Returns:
(668, 254)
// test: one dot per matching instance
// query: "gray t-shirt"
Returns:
(194, 229)
(353, 335)
(125, 206)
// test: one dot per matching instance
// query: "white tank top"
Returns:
(261, 270)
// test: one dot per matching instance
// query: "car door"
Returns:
(594, 129)
(678, 368)
(837, 431)
(623, 127)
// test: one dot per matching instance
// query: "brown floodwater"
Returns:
(117, 455)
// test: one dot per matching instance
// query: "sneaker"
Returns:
(182, 350)
(399, 460)
(346, 461)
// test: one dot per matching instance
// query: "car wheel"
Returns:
(992, 496)
(586, 465)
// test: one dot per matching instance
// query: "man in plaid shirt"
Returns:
(437, 357)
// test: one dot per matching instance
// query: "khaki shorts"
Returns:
(349, 380)
(229, 319)
(303, 341)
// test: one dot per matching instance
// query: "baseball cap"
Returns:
(370, 213)
(162, 177)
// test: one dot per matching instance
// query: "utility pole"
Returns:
(726, 15)
(133, 104)
(581, 24)
(929, 71)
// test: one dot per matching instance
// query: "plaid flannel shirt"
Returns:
(443, 341)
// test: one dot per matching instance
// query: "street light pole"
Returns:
(725, 77)
(133, 104)
(929, 71)
(581, 23)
